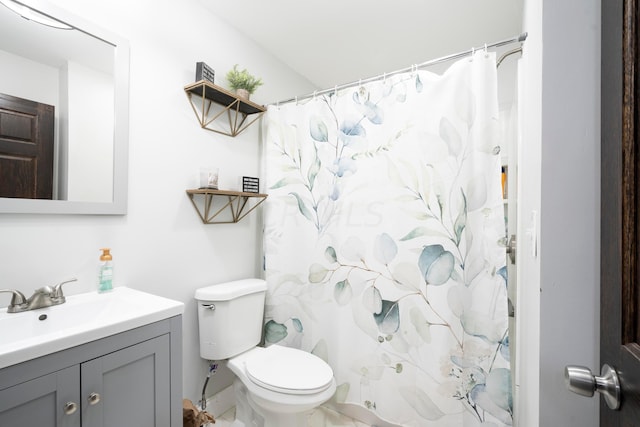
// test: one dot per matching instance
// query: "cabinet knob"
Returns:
(93, 398)
(70, 408)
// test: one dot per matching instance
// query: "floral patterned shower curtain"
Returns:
(382, 253)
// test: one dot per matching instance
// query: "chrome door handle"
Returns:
(511, 248)
(70, 408)
(93, 398)
(580, 380)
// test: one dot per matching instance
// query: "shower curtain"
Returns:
(382, 253)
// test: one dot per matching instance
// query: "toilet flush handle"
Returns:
(209, 306)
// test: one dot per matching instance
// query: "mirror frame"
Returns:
(118, 206)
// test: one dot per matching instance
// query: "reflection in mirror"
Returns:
(55, 62)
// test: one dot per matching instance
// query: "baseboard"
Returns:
(221, 402)
(359, 413)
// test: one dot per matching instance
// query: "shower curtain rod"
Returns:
(519, 39)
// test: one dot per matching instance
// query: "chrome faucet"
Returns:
(18, 301)
(43, 297)
(56, 295)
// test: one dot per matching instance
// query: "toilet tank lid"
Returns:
(230, 290)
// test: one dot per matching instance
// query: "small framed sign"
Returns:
(250, 184)
(204, 72)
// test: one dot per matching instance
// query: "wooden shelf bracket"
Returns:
(203, 95)
(211, 205)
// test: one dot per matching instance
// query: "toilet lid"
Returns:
(289, 370)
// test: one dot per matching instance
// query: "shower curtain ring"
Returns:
(486, 53)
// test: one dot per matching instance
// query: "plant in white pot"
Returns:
(242, 82)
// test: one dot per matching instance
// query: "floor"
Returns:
(320, 417)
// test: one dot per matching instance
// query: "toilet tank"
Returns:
(230, 317)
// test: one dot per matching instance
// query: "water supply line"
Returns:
(213, 367)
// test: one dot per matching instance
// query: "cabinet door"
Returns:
(41, 402)
(130, 387)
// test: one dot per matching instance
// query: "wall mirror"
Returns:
(52, 57)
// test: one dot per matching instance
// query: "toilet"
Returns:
(274, 386)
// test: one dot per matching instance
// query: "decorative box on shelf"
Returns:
(250, 184)
(204, 72)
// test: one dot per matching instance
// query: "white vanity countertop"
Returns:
(82, 318)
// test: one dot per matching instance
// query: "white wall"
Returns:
(160, 246)
(90, 142)
(528, 273)
(28, 79)
(560, 174)
(570, 220)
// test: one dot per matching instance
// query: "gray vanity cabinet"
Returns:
(128, 387)
(36, 402)
(131, 379)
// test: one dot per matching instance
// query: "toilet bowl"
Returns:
(283, 379)
(275, 386)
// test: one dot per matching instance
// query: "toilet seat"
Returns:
(289, 370)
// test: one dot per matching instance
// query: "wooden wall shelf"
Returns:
(212, 205)
(203, 94)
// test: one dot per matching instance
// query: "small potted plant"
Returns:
(243, 83)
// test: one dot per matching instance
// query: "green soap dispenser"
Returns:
(105, 271)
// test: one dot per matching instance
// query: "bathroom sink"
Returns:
(82, 318)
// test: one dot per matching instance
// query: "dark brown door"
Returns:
(26, 148)
(620, 293)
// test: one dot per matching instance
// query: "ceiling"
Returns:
(332, 42)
